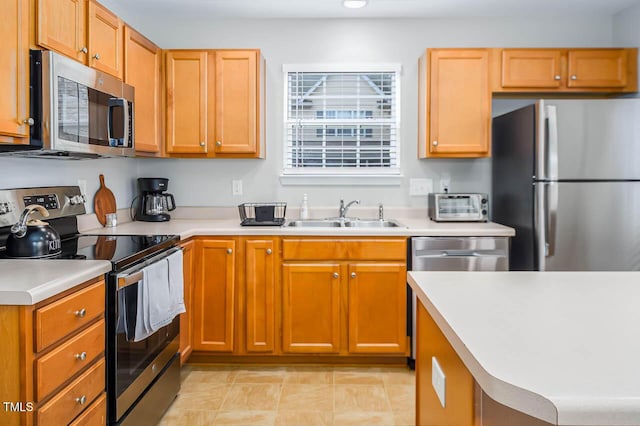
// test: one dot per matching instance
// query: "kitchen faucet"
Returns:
(343, 208)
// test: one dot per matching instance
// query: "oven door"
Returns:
(134, 365)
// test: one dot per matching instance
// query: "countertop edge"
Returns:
(503, 392)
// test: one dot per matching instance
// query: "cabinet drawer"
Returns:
(63, 362)
(73, 399)
(95, 415)
(343, 249)
(62, 317)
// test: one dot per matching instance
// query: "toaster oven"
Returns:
(458, 207)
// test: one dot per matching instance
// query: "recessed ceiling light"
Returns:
(354, 4)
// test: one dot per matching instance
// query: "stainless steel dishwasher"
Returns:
(454, 254)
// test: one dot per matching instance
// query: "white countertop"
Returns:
(27, 281)
(411, 227)
(560, 346)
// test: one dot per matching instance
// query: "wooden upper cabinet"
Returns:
(377, 308)
(186, 97)
(14, 61)
(597, 68)
(458, 103)
(214, 296)
(260, 295)
(61, 26)
(142, 70)
(236, 99)
(540, 68)
(105, 40)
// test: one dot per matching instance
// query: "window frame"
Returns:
(333, 174)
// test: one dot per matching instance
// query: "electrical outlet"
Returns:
(445, 184)
(420, 186)
(438, 380)
(236, 187)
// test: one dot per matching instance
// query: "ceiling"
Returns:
(230, 9)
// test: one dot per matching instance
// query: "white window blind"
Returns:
(343, 122)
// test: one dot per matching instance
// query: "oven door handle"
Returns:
(133, 276)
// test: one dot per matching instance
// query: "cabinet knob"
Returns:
(353, 275)
(81, 400)
(28, 121)
(96, 56)
(557, 77)
(84, 50)
(336, 275)
(218, 143)
(81, 313)
(434, 143)
(269, 251)
(574, 77)
(229, 251)
(202, 144)
(81, 356)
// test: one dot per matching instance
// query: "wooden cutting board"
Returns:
(103, 202)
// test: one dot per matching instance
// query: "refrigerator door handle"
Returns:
(541, 141)
(551, 218)
(552, 138)
(540, 224)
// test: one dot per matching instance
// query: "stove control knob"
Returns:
(77, 199)
(5, 208)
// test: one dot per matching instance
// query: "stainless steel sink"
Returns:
(347, 223)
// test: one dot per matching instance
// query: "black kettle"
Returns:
(33, 238)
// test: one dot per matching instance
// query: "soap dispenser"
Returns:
(304, 207)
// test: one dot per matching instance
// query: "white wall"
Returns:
(284, 41)
(626, 31)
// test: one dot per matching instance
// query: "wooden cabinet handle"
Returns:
(269, 251)
(81, 400)
(81, 313)
(336, 275)
(229, 251)
(353, 275)
(81, 356)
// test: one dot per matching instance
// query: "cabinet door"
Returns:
(236, 102)
(260, 269)
(105, 40)
(62, 27)
(460, 103)
(597, 68)
(531, 68)
(311, 307)
(186, 319)
(213, 300)
(142, 71)
(377, 308)
(186, 94)
(14, 61)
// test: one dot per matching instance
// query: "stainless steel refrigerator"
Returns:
(566, 176)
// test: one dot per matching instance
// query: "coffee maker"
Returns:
(153, 203)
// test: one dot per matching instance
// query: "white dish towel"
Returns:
(160, 295)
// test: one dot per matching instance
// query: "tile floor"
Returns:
(293, 396)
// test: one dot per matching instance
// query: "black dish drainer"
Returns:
(262, 214)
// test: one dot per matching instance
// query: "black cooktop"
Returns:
(121, 250)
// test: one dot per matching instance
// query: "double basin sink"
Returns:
(345, 223)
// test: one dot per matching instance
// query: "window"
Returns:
(342, 122)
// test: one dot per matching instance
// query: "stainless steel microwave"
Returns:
(77, 111)
(458, 207)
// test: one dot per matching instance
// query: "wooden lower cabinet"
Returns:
(377, 308)
(63, 381)
(214, 295)
(186, 319)
(311, 307)
(260, 266)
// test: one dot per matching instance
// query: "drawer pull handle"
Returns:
(336, 275)
(81, 313)
(269, 251)
(81, 400)
(353, 275)
(81, 356)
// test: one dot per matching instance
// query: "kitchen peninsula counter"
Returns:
(561, 347)
(29, 281)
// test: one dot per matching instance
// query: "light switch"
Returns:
(438, 380)
(236, 187)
